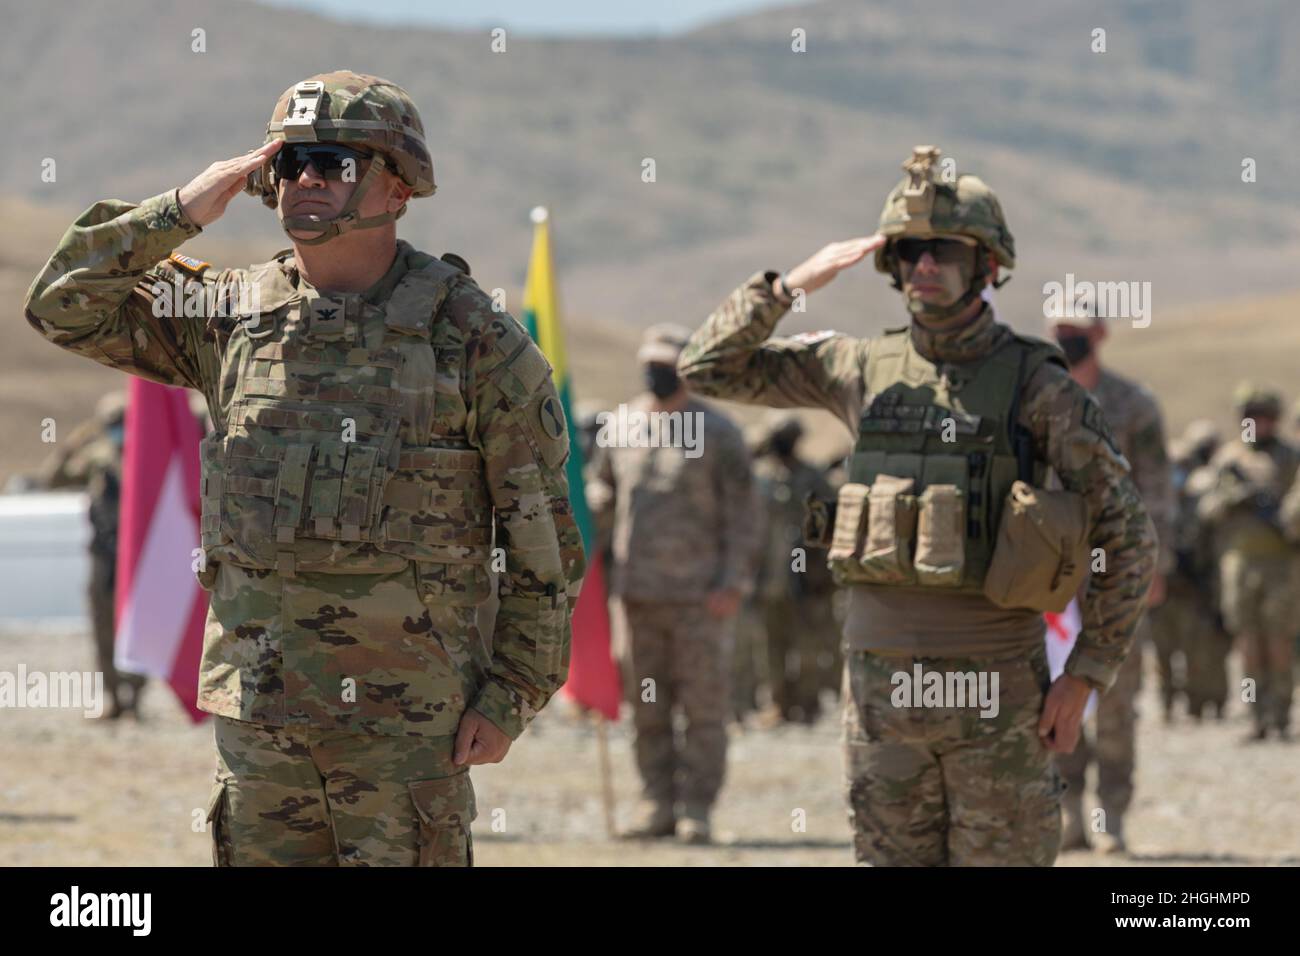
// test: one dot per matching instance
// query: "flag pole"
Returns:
(593, 682)
(606, 776)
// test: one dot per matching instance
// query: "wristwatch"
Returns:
(784, 296)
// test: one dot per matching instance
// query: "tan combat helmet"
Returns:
(1262, 401)
(662, 344)
(111, 408)
(927, 204)
(1196, 444)
(350, 109)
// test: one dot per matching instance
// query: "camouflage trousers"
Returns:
(687, 655)
(945, 786)
(1261, 608)
(802, 653)
(1184, 624)
(302, 796)
(122, 688)
(1111, 741)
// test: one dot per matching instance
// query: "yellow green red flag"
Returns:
(593, 677)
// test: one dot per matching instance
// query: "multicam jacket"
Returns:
(369, 450)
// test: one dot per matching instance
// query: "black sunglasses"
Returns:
(329, 159)
(943, 251)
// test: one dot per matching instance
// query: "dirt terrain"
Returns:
(77, 791)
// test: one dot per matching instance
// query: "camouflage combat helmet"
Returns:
(111, 408)
(351, 109)
(1198, 441)
(927, 205)
(1264, 401)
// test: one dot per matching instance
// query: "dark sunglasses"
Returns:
(943, 251)
(329, 160)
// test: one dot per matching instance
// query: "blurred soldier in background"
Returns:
(749, 660)
(794, 587)
(683, 546)
(1136, 423)
(1188, 623)
(91, 458)
(587, 417)
(1253, 507)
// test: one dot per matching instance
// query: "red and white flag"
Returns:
(1062, 630)
(160, 605)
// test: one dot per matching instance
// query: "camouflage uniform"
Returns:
(1189, 621)
(683, 527)
(1136, 423)
(1253, 507)
(795, 603)
(92, 457)
(368, 448)
(938, 785)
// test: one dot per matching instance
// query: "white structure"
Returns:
(44, 561)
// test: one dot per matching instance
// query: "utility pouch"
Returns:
(940, 537)
(1041, 555)
(846, 538)
(891, 530)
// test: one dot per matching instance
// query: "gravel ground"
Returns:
(76, 791)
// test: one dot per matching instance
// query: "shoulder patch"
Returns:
(551, 418)
(189, 263)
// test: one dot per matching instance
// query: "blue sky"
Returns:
(561, 17)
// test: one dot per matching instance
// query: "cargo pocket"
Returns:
(222, 851)
(452, 584)
(891, 530)
(940, 537)
(445, 808)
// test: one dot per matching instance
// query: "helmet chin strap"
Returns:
(347, 219)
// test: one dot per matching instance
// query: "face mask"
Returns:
(783, 446)
(662, 380)
(1076, 348)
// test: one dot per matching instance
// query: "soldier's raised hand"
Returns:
(825, 264)
(204, 198)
